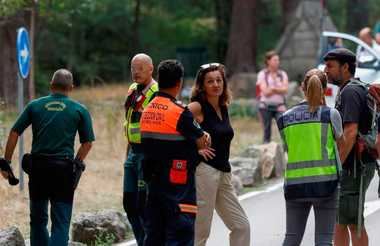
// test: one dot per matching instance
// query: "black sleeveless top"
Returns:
(221, 135)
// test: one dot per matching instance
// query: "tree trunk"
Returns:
(9, 66)
(287, 8)
(135, 40)
(357, 15)
(242, 43)
(33, 14)
(223, 22)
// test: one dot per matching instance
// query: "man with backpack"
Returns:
(357, 151)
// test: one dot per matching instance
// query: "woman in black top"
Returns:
(210, 98)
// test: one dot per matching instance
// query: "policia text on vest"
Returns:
(312, 169)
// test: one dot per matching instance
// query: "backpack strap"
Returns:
(279, 74)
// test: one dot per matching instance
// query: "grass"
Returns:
(101, 185)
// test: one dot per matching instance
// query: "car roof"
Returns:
(353, 39)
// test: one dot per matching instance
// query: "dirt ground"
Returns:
(101, 185)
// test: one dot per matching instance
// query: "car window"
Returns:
(364, 57)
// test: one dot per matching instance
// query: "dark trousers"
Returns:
(297, 213)
(266, 117)
(165, 224)
(60, 217)
(133, 203)
(50, 181)
(134, 195)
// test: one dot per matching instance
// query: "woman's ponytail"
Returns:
(314, 93)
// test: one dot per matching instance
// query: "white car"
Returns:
(368, 69)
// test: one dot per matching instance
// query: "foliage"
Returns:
(268, 29)
(242, 108)
(95, 38)
(338, 12)
(104, 239)
(9, 7)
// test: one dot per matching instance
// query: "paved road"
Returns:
(266, 212)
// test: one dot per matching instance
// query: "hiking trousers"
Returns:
(215, 192)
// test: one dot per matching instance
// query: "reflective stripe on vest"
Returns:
(188, 208)
(310, 144)
(159, 120)
(132, 129)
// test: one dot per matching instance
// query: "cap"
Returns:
(340, 54)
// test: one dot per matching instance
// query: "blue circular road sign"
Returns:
(23, 52)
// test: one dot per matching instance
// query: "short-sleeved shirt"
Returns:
(274, 82)
(353, 108)
(336, 122)
(55, 120)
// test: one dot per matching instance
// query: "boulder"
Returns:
(76, 244)
(271, 158)
(252, 151)
(27, 243)
(247, 169)
(87, 227)
(237, 184)
(11, 237)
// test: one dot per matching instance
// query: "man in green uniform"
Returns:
(140, 93)
(55, 120)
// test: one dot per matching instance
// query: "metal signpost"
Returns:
(23, 59)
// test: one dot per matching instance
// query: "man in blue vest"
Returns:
(140, 93)
(358, 163)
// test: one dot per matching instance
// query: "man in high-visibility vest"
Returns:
(140, 93)
(170, 137)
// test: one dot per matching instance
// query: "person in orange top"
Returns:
(170, 138)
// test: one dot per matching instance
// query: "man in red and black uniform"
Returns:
(170, 137)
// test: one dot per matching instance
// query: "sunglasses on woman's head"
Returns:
(208, 65)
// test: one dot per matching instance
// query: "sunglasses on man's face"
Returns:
(208, 65)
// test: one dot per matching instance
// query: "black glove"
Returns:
(78, 169)
(6, 167)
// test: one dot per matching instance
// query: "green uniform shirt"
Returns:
(55, 120)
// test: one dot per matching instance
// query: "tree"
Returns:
(135, 34)
(287, 8)
(12, 16)
(242, 42)
(33, 14)
(223, 22)
(357, 15)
